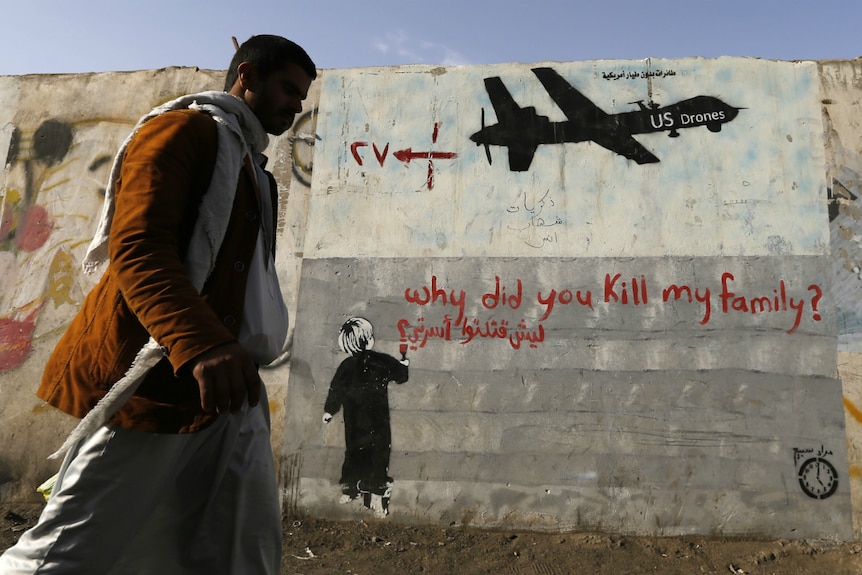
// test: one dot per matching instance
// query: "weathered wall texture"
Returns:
(842, 95)
(628, 290)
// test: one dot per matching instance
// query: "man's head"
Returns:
(272, 75)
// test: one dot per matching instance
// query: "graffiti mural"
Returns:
(818, 478)
(621, 285)
(582, 199)
(52, 188)
(302, 139)
(614, 291)
(580, 322)
(25, 227)
(359, 389)
(522, 130)
(406, 155)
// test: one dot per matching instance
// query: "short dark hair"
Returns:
(268, 53)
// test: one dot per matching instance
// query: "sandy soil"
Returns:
(370, 547)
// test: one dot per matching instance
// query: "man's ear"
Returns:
(247, 76)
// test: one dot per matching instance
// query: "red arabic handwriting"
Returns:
(418, 334)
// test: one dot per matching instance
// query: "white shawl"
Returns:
(239, 134)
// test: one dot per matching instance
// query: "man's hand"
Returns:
(226, 375)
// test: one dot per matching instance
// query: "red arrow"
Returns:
(408, 154)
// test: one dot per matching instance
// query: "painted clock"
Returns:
(818, 478)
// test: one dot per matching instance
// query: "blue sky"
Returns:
(63, 36)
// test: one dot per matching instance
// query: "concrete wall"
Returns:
(608, 328)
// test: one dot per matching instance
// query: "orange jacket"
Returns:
(145, 290)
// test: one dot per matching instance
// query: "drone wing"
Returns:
(515, 125)
(600, 126)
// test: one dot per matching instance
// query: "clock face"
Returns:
(818, 478)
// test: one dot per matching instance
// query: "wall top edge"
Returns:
(419, 67)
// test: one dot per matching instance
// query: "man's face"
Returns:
(276, 100)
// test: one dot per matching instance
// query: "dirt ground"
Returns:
(379, 547)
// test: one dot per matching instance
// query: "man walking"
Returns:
(171, 469)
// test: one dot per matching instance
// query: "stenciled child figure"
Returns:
(360, 388)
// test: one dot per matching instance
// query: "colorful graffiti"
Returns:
(52, 186)
(26, 225)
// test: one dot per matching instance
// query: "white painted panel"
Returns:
(756, 187)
